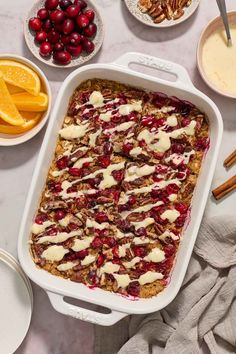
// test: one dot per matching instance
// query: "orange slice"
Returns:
(26, 102)
(20, 75)
(8, 111)
(14, 89)
(27, 125)
(30, 115)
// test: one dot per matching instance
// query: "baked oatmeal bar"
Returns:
(119, 188)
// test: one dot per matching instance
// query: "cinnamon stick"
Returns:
(230, 160)
(225, 188)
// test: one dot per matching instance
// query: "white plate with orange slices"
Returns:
(25, 100)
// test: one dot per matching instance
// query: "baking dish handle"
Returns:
(82, 314)
(177, 70)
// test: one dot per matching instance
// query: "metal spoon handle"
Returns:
(222, 7)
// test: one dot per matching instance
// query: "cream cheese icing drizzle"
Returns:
(171, 215)
(156, 255)
(54, 253)
(74, 131)
(134, 172)
(60, 237)
(80, 245)
(144, 223)
(38, 229)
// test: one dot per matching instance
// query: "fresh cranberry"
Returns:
(202, 143)
(94, 182)
(58, 27)
(62, 163)
(118, 175)
(35, 24)
(185, 122)
(127, 148)
(73, 171)
(81, 3)
(64, 4)
(141, 232)
(100, 260)
(72, 226)
(96, 243)
(73, 10)
(90, 30)
(82, 21)
(62, 57)
(57, 16)
(148, 121)
(180, 221)
(140, 251)
(156, 177)
(132, 116)
(178, 148)
(51, 4)
(169, 250)
(107, 148)
(82, 254)
(47, 25)
(75, 51)
(45, 49)
(156, 193)
(41, 36)
(53, 37)
(90, 14)
(43, 14)
(123, 207)
(81, 201)
(172, 189)
(132, 200)
(104, 161)
(181, 207)
(75, 38)
(58, 47)
(40, 219)
(65, 39)
(87, 45)
(101, 217)
(60, 214)
(161, 169)
(68, 26)
(133, 288)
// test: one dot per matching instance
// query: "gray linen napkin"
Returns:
(202, 315)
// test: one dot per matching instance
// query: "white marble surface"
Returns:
(50, 332)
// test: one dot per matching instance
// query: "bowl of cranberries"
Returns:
(64, 33)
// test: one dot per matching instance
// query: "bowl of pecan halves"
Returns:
(162, 13)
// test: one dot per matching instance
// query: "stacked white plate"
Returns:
(16, 303)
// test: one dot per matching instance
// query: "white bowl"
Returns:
(83, 58)
(10, 139)
(147, 20)
(212, 27)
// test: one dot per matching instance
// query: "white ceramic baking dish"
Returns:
(58, 288)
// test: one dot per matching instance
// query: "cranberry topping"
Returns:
(101, 217)
(118, 175)
(62, 163)
(72, 226)
(72, 189)
(141, 232)
(133, 288)
(160, 122)
(178, 148)
(40, 219)
(132, 116)
(85, 172)
(52, 231)
(54, 186)
(180, 220)
(96, 243)
(140, 251)
(148, 121)
(132, 200)
(159, 99)
(104, 161)
(123, 207)
(100, 260)
(107, 148)
(127, 147)
(185, 122)
(124, 225)
(82, 254)
(172, 189)
(202, 143)
(169, 250)
(81, 201)
(60, 214)
(76, 172)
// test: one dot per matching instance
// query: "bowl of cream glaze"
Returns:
(217, 61)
